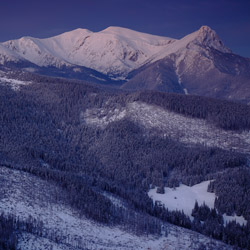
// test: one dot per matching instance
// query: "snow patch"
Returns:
(30, 69)
(185, 91)
(183, 198)
(238, 219)
(14, 83)
(102, 117)
(98, 78)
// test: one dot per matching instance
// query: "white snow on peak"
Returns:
(35, 51)
(194, 43)
(114, 51)
(205, 36)
(138, 36)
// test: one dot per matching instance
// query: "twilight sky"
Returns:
(172, 18)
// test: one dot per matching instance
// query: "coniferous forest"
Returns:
(42, 124)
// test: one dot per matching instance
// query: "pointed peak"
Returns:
(208, 37)
(206, 33)
(205, 28)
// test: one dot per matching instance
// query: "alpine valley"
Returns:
(124, 140)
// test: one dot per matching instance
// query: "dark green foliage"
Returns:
(42, 133)
(175, 217)
(224, 114)
(232, 189)
(210, 222)
(234, 234)
(8, 239)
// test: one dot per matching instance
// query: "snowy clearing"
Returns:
(14, 84)
(184, 197)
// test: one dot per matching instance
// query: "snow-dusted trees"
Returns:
(42, 133)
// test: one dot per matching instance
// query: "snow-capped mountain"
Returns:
(199, 63)
(113, 51)
(204, 38)
(7, 55)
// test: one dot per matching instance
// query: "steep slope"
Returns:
(7, 55)
(30, 54)
(197, 64)
(9, 58)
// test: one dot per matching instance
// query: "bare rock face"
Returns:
(201, 65)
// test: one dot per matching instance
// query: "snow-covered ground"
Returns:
(170, 124)
(25, 195)
(184, 197)
(6, 55)
(13, 83)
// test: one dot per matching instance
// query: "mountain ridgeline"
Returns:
(197, 64)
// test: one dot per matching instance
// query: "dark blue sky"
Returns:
(173, 18)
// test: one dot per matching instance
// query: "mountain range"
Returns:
(198, 64)
(95, 154)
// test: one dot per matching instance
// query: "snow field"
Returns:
(14, 84)
(183, 198)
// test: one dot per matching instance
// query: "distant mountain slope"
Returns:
(197, 64)
(7, 55)
(113, 51)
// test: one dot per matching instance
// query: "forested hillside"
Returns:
(45, 132)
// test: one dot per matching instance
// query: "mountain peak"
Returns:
(205, 28)
(208, 37)
(74, 33)
(207, 34)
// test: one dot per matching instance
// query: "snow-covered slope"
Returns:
(114, 51)
(203, 38)
(169, 124)
(33, 50)
(197, 64)
(72, 231)
(6, 55)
